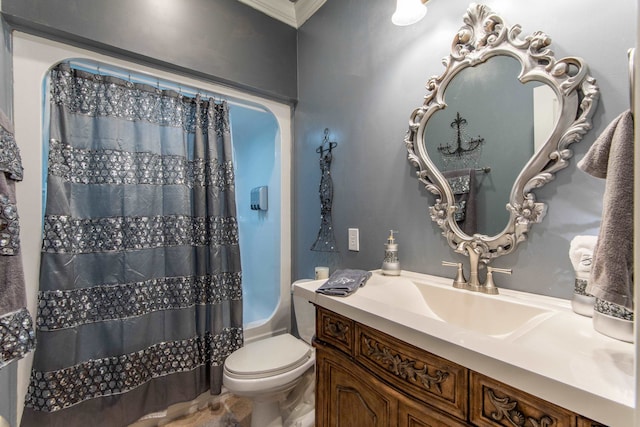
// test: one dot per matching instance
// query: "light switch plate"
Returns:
(354, 239)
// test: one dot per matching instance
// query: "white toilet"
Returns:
(268, 369)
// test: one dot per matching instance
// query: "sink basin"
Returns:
(499, 316)
(494, 315)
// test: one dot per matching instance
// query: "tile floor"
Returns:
(231, 411)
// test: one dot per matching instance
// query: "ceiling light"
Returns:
(409, 12)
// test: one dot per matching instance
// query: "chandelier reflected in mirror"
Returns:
(463, 152)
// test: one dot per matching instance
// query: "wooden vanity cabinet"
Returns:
(365, 378)
(349, 396)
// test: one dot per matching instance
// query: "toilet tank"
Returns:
(305, 315)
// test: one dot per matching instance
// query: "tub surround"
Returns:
(549, 352)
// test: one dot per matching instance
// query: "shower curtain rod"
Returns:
(137, 77)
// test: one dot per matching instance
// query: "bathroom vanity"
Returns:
(414, 351)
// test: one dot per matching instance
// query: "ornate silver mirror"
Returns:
(494, 126)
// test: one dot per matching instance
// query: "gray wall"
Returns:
(361, 76)
(222, 40)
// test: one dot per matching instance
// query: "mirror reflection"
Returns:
(491, 126)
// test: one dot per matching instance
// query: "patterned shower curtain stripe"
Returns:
(109, 166)
(109, 302)
(140, 297)
(96, 95)
(65, 234)
(53, 391)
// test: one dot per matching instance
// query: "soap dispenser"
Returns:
(391, 264)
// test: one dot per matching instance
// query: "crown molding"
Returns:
(305, 9)
(293, 14)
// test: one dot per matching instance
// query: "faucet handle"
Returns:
(489, 286)
(460, 281)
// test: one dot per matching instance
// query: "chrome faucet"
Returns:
(474, 284)
(474, 258)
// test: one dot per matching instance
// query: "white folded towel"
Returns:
(581, 254)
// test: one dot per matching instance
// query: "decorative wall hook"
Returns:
(326, 241)
(326, 144)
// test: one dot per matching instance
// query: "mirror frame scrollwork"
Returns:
(485, 35)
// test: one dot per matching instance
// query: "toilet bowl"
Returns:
(267, 370)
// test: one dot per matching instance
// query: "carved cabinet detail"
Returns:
(424, 376)
(366, 378)
(335, 330)
(496, 404)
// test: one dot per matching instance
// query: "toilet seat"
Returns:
(268, 357)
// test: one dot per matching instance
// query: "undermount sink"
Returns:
(493, 315)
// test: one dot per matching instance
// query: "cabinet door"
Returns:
(414, 414)
(348, 396)
(494, 404)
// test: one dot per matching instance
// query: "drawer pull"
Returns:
(507, 409)
(404, 368)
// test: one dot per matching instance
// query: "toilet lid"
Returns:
(269, 356)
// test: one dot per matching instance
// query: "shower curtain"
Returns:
(140, 297)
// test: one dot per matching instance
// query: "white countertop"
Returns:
(558, 357)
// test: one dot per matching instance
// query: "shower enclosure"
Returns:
(257, 159)
(261, 130)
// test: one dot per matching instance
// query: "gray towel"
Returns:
(463, 185)
(611, 157)
(17, 336)
(343, 283)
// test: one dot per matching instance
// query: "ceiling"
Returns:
(291, 12)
